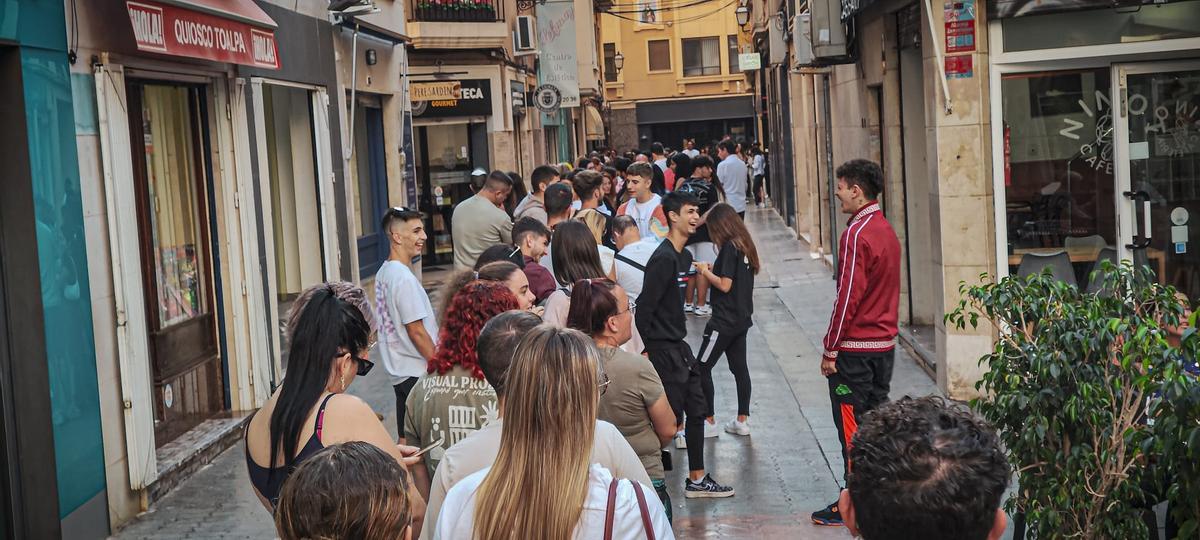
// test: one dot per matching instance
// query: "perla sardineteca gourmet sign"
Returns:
(467, 97)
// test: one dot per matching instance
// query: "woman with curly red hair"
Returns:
(453, 400)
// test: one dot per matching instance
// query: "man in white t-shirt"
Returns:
(644, 206)
(689, 148)
(734, 175)
(407, 325)
(633, 251)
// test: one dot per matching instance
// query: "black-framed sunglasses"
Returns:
(364, 366)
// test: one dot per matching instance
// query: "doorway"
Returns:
(370, 167)
(1157, 136)
(172, 172)
(446, 155)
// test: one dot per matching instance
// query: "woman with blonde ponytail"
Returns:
(542, 484)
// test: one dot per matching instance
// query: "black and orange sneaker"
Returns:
(829, 516)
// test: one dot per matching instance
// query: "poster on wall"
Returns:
(558, 65)
(959, 67)
(960, 26)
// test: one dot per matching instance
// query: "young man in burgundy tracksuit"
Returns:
(861, 340)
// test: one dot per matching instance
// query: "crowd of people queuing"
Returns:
(540, 398)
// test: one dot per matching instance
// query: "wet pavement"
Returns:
(789, 466)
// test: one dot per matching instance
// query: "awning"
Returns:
(593, 123)
(685, 110)
(233, 31)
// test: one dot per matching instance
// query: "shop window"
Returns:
(1102, 27)
(174, 227)
(659, 53)
(610, 62)
(734, 51)
(1058, 163)
(701, 56)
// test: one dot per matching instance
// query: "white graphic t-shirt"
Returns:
(399, 300)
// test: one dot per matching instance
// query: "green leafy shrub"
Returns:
(1097, 414)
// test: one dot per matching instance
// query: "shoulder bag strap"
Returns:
(630, 262)
(646, 523)
(610, 513)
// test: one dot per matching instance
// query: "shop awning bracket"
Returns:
(938, 56)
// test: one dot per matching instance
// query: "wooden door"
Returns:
(171, 169)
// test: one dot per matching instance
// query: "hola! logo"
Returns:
(147, 23)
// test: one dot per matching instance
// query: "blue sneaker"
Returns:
(829, 516)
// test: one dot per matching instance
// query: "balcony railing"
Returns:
(459, 10)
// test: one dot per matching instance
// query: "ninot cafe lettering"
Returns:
(168, 29)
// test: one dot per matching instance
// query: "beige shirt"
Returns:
(477, 225)
(478, 451)
(634, 387)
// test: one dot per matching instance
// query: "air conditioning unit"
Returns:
(524, 37)
(828, 34)
(802, 49)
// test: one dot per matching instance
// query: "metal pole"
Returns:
(827, 118)
(348, 148)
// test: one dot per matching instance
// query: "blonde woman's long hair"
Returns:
(538, 484)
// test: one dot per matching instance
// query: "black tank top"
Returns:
(269, 480)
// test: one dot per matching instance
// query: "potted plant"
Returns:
(1098, 416)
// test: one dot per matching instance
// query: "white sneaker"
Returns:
(680, 441)
(711, 430)
(738, 428)
(688, 308)
(703, 311)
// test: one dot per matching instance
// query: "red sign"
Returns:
(171, 30)
(960, 36)
(959, 67)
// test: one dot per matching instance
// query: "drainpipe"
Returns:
(827, 119)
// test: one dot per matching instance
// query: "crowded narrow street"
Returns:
(790, 466)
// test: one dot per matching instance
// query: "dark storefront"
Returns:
(706, 120)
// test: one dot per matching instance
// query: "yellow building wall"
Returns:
(635, 81)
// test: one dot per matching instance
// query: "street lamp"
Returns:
(619, 61)
(743, 14)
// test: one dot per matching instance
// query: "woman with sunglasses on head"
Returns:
(330, 339)
(635, 401)
(453, 399)
(543, 483)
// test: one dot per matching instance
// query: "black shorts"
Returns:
(680, 374)
(402, 391)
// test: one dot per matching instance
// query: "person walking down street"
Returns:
(480, 222)
(533, 239)
(644, 206)
(635, 401)
(497, 341)
(708, 193)
(663, 325)
(861, 339)
(732, 279)
(733, 175)
(629, 264)
(406, 318)
(543, 483)
(758, 170)
(453, 400)
(330, 339)
(534, 204)
(348, 490)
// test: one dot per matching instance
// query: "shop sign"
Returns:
(960, 26)
(959, 67)
(749, 61)
(474, 98)
(430, 91)
(558, 66)
(167, 29)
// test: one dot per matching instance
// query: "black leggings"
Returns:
(402, 391)
(733, 346)
(759, 184)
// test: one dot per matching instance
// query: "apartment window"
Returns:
(734, 51)
(610, 62)
(659, 52)
(701, 56)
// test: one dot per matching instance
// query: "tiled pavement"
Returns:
(790, 466)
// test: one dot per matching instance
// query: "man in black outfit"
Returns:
(663, 326)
